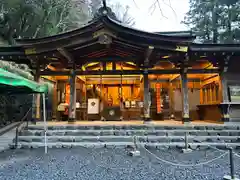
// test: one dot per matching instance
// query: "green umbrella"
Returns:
(13, 83)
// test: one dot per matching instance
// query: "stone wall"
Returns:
(13, 108)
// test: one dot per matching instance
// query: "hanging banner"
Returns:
(158, 97)
(93, 106)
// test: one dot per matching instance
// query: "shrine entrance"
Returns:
(114, 97)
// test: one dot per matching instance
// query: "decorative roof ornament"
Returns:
(105, 11)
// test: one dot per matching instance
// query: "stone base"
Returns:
(147, 122)
(172, 117)
(147, 119)
(134, 153)
(71, 120)
(186, 120)
(188, 150)
(225, 119)
(227, 177)
(35, 120)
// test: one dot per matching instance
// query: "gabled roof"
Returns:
(121, 30)
(104, 38)
(84, 43)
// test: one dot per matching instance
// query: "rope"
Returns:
(223, 151)
(236, 155)
(184, 165)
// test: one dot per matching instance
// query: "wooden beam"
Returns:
(147, 56)
(127, 72)
(109, 59)
(66, 54)
(167, 80)
(209, 81)
(176, 76)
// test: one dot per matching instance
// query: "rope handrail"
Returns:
(17, 129)
(184, 165)
(236, 155)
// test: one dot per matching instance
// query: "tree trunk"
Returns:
(214, 21)
(229, 26)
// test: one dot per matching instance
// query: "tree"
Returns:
(118, 12)
(230, 9)
(39, 18)
(215, 19)
(122, 14)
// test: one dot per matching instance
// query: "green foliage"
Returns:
(122, 14)
(215, 20)
(39, 18)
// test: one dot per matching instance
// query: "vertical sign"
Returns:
(93, 106)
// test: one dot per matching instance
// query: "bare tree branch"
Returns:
(159, 6)
(153, 8)
(135, 4)
(61, 15)
(169, 4)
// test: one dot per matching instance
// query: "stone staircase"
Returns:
(123, 135)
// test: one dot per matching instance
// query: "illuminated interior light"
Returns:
(51, 67)
(165, 57)
(131, 63)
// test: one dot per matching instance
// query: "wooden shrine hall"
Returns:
(108, 71)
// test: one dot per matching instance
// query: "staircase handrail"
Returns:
(21, 122)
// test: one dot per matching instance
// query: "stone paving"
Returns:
(112, 163)
(6, 139)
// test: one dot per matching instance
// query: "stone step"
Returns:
(178, 132)
(124, 144)
(135, 127)
(156, 139)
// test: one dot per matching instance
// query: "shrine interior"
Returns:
(127, 92)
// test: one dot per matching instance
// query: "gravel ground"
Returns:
(111, 163)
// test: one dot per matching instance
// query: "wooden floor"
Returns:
(133, 122)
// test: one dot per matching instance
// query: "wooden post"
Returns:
(72, 104)
(225, 98)
(214, 93)
(147, 98)
(171, 97)
(185, 104)
(210, 93)
(54, 101)
(205, 96)
(201, 94)
(36, 109)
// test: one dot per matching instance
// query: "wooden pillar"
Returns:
(72, 104)
(54, 101)
(201, 94)
(214, 93)
(171, 97)
(147, 95)
(185, 101)
(147, 98)
(205, 96)
(36, 103)
(210, 93)
(225, 98)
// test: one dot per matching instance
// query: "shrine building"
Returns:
(108, 71)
